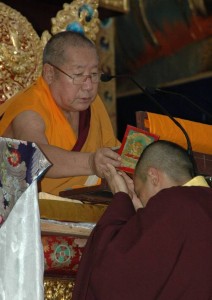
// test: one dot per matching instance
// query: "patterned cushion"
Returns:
(62, 254)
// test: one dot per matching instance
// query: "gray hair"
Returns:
(55, 49)
(168, 157)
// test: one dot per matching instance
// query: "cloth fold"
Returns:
(21, 252)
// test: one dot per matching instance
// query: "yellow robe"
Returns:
(200, 134)
(58, 130)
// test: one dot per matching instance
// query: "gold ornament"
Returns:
(20, 52)
(58, 289)
(80, 15)
(116, 5)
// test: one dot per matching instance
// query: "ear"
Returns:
(154, 176)
(48, 73)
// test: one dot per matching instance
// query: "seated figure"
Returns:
(62, 113)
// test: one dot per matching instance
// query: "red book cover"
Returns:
(133, 143)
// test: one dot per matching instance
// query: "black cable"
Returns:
(189, 147)
(187, 99)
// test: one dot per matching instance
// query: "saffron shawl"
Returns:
(96, 132)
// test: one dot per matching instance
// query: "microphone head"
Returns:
(106, 77)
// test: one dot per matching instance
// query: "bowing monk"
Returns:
(62, 113)
(154, 241)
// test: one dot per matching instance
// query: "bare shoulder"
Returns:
(29, 126)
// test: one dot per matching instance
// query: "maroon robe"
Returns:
(163, 252)
(84, 126)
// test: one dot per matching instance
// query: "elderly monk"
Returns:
(63, 114)
(161, 251)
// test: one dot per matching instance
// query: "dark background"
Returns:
(199, 92)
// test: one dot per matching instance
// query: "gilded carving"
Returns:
(116, 5)
(80, 15)
(20, 52)
(58, 289)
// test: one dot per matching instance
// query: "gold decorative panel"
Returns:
(116, 5)
(58, 288)
(20, 52)
(80, 15)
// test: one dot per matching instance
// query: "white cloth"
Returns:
(21, 251)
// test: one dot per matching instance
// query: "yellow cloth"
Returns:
(62, 209)
(58, 130)
(197, 181)
(199, 134)
(70, 211)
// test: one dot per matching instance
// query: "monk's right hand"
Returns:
(119, 181)
(115, 179)
(99, 160)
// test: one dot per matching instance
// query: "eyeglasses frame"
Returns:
(73, 76)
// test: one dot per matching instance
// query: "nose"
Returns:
(87, 83)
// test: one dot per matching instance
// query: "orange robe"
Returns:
(200, 134)
(58, 130)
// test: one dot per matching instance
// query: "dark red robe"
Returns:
(163, 252)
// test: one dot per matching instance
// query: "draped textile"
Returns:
(58, 130)
(21, 251)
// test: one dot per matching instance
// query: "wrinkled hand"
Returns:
(102, 157)
(119, 181)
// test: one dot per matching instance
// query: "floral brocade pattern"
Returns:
(62, 254)
(20, 164)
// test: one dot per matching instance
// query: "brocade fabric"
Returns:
(20, 164)
(21, 251)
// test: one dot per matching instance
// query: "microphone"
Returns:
(107, 77)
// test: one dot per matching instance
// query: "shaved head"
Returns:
(168, 157)
(56, 48)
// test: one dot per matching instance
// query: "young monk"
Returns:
(161, 251)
